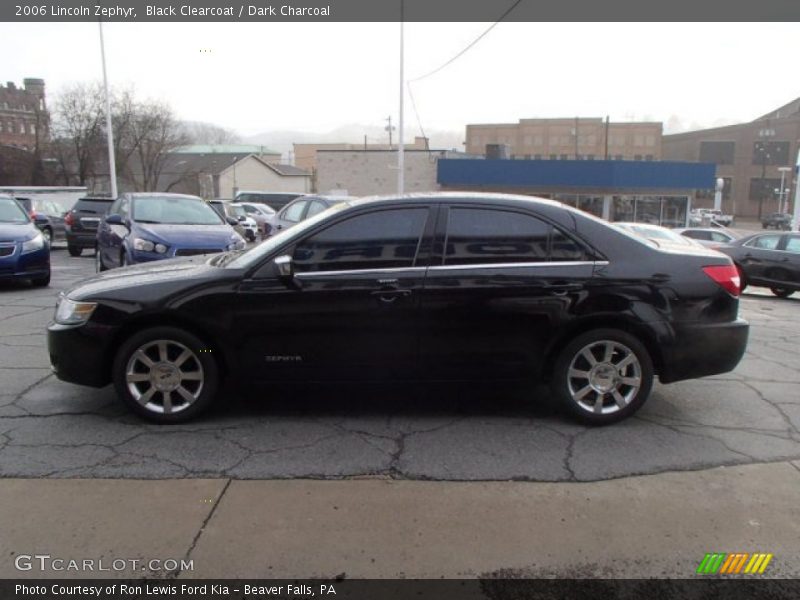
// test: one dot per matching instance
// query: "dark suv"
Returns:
(777, 221)
(428, 287)
(81, 223)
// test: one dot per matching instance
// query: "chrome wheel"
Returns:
(48, 237)
(604, 377)
(164, 376)
(98, 262)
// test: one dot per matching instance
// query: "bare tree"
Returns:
(155, 132)
(207, 133)
(78, 130)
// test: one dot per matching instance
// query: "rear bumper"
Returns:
(700, 350)
(82, 240)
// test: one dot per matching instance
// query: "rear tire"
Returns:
(74, 250)
(165, 375)
(603, 376)
(781, 292)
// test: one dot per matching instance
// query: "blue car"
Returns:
(24, 252)
(153, 226)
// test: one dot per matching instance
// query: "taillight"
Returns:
(726, 276)
(69, 219)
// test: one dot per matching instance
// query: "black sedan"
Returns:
(768, 260)
(428, 287)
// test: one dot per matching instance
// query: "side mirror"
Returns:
(231, 221)
(285, 268)
(40, 220)
(115, 220)
(242, 218)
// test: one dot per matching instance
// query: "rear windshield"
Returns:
(95, 207)
(275, 201)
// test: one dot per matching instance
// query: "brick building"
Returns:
(24, 118)
(569, 139)
(752, 158)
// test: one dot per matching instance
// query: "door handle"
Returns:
(389, 295)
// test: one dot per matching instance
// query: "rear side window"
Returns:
(377, 240)
(490, 236)
(294, 212)
(793, 244)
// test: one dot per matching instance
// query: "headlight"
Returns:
(33, 244)
(161, 248)
(69, 312)
(148, 246)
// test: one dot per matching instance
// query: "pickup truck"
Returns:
(696, 217)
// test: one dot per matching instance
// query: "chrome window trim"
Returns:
(550, 263)
(306, 274)
(554, 263)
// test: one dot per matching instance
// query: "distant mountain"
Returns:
(282, 140)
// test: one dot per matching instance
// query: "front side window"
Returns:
(487, 236)
(765, 242)
(384, 239)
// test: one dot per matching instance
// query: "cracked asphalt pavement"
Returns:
(53, 429)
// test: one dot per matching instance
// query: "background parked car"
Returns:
(244, 225)
(777, 221)
(47, 225)
(701, 216)
(768, 260)
(711, 237)
(153, 226)
(303, 208)
(656, 233)
(261, 214)
(24, 252)
(275, 200)
(81, 223)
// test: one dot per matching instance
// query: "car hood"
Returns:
(191, 236)
(16, 232)
(178, 271)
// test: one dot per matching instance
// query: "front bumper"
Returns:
(25, 266)
(80, 354)
(704, 349)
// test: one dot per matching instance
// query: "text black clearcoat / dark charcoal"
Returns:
(437, 286)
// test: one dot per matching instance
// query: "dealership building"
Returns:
(659, 192)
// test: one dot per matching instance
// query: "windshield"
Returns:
(11, 211)
(170, 210)
(255, 254)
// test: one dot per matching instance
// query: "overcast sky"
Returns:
(255, 77)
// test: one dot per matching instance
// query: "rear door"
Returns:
(761, 256)
(501, 283)
(787, 269)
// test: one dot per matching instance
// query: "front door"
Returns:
(352, 311)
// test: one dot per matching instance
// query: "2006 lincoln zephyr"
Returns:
(436, 286)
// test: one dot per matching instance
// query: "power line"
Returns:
(470, 45)
(449, 62)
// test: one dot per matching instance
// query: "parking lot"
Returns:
(53, 429)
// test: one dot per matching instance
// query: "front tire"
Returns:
(603, 376)
(781, 292)
(99, 266)
(165, 375)
(74, 250)
(41, 281)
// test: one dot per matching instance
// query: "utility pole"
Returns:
(796, 218)
(388, 128)
(400, 149)
(576, 138)
(112, 166)
(607, 124)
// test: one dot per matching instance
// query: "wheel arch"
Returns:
(640, 331)
(151, 321)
